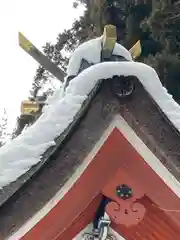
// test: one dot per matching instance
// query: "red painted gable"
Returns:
(117, 162)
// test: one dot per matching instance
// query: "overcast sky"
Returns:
(40, 21)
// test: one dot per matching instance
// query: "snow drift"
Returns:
(19, 155)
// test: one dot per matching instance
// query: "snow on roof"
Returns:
(19, 155)
(91, 51)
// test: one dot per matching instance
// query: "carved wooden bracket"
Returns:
(124, 211)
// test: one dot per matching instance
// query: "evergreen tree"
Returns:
(154, 22)
(163, 24)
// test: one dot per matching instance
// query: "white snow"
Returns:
(147, 76)
(91, 51)
(20, 154)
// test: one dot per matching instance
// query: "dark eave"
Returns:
(42, 182)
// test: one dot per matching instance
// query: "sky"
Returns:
(40, 21)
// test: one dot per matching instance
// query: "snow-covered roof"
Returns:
(20, 154)
(91, 51)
